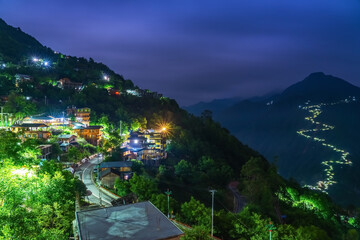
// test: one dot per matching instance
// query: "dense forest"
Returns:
(201, 155)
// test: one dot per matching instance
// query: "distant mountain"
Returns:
(214, 106)
(218, 105)
(15, 44)
(319, 87)
(271, 126)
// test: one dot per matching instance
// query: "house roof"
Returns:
(89, 127)
(133, 221)
(28, 125)
(41, 118)
(66, 136)
(94, 127)
(116, 164)
(108, 171)
(64, 144)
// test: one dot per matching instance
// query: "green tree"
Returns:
(74, 155)
(195, 213)
(184, 170)
(19, 106)
(122, 187)
(142, 187)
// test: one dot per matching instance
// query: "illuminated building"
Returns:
(92, 134)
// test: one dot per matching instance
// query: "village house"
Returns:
(66, 140)
(32, 130)
(81, 115)
(92, 134)
(46, 150)
(48, 120)
(19, 78)
(148, 147)
(108, 172)
(66, 83)
(114, 92)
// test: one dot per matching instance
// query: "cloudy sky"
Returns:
(199, 50)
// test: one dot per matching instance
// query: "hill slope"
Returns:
(15, 44)
(200, 154)
(272, 126)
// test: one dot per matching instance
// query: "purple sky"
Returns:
(198, 50)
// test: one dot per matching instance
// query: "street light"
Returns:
(212, 211)
(168, 192)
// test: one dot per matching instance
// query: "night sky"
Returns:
(194, 50)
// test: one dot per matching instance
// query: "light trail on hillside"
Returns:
(315, 111)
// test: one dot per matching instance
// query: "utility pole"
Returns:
(2, 117)
(63, 118)
(168, 193)
(2, 112)
(212, 211)
(120, 128)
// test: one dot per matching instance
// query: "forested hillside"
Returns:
(200, 154)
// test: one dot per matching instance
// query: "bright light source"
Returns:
(164, 128)
(106, 78)
(35, 59)
(46, 63)
(136, 141)
(23, 172)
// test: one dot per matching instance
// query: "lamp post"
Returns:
(271, 227)
(168, 197)
(212, 211)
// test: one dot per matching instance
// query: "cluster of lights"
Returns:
(41, 61)
(315, 111)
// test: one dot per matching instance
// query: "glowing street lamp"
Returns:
(106, 78)
(35, 59)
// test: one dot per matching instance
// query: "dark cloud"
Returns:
(200, 50)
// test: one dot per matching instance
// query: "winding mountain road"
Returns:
(95, 195)
(310, 133)
(239, 201)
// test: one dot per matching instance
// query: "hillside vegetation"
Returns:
(201, 154)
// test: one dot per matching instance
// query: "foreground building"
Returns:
(134, 221)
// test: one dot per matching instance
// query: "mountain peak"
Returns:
(319, 87)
